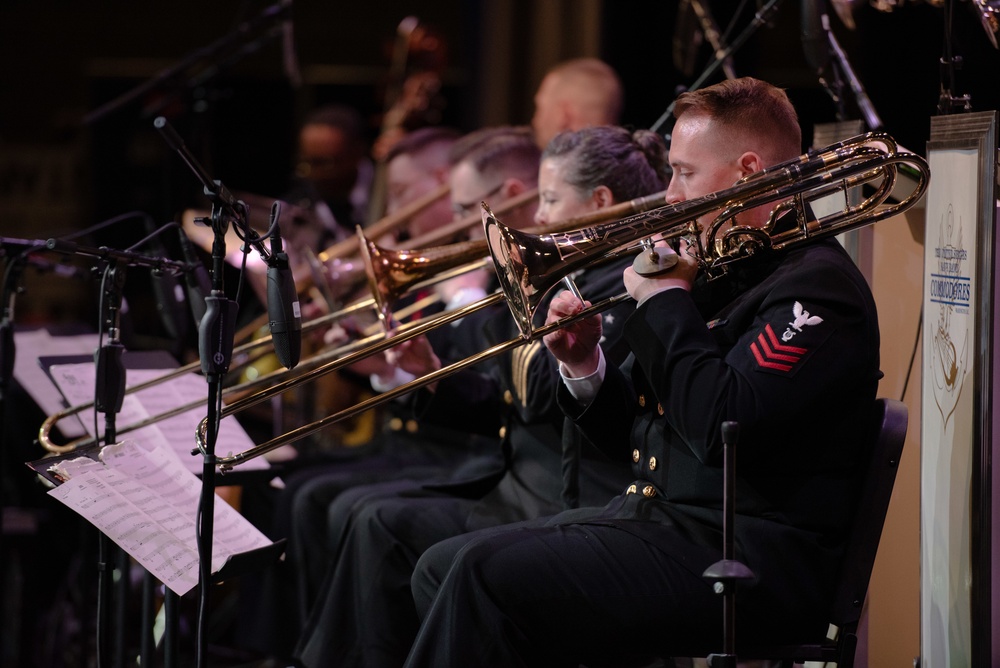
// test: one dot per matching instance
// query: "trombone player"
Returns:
(785, 344)
(497, 163)
(364, 614)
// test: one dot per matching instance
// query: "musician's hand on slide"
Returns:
(575, 345)
(415, 356)
(336, 336)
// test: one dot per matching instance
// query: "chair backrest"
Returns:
(890, 421)
(873, 504)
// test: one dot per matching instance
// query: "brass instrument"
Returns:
(529, 265)
(338, 271)
(45, 431)
(392, 274)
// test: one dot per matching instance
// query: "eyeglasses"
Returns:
(463, 209)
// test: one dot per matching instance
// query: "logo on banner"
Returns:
(951, 291)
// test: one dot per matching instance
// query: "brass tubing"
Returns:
(227, 463)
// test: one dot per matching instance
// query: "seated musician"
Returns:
(786, 344)
(333, 459)
(412, 444)
(364, 614)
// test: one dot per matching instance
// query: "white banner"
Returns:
(948, 431)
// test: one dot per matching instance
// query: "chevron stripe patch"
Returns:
(771, 353)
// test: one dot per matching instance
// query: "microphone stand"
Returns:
(11, 286)
(762, 16)
(728, 572)
(216, 333)
(948, 102)
(865, 106)
(711, 32)
(109, 396)
(11, 283)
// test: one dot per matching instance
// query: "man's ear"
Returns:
(512, 188)
(750, 162)
(568, 116)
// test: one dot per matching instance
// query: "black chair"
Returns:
(859, 558)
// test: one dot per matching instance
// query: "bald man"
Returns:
(576, 94)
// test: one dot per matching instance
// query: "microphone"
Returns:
(815, 26)
(196, 279)
(289, 57)
(284, 316)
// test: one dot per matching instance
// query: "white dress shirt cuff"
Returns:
(398, 377)
(584, 389)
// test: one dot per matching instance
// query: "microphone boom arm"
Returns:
(865, 106)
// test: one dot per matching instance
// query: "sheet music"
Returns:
(32, 344)
(144, 500)
(177, 434)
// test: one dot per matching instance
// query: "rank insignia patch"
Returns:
(775, 353)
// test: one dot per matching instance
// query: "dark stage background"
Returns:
(68, 161)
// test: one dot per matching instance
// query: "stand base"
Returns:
(721, 661)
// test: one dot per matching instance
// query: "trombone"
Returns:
(45, 431)
(390, 274)
(339, 270)
(529, 265)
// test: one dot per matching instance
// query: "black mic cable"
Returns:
(196, 278)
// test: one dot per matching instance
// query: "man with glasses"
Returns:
(494, 165)
(365, 614)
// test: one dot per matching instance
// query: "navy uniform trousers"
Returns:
(364, 615)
